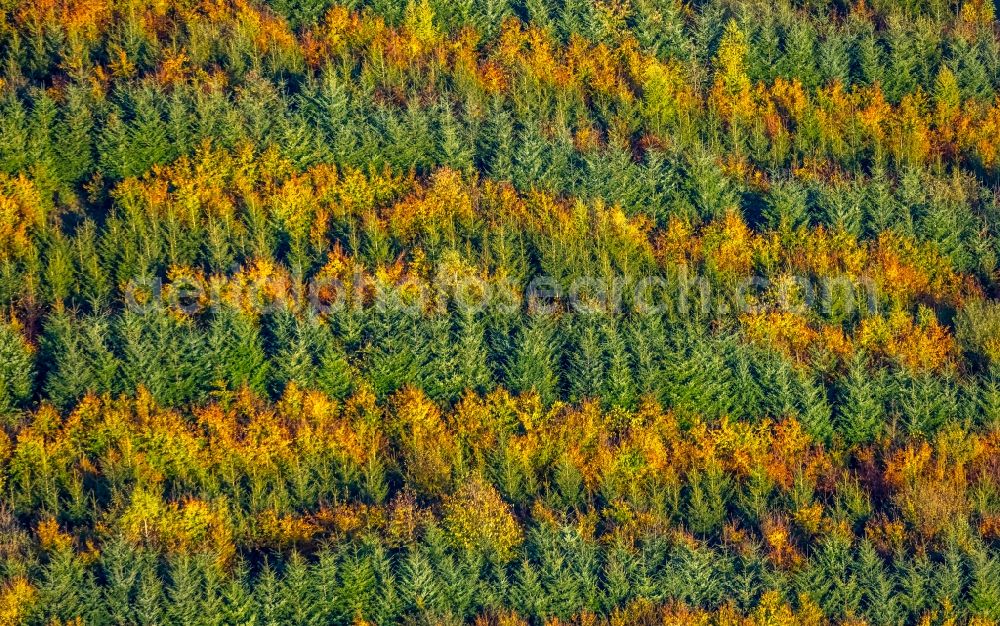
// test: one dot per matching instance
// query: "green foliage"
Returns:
(534, 362)
(862, 416)
(161, 354)
(17, 366)
(81, 357)
(236, 350)
(713, 455)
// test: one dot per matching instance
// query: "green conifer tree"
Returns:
(420, 589)
(861, 415)
(455, 149)
(165, 354)
(619, 388)
(335, 376)
(879, 594)
(787, 206)
(17, 369)
(815, 412)
(440, 375)
(470, 351)
(80, 358)
(534, 365)
(237, 351)
(585, 374)
(800, 54)
(74, 138)
(707, 499)
(184, 593)
(984, 590)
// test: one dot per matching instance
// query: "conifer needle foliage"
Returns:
(499, 312)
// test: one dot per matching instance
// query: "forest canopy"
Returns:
(499, 312)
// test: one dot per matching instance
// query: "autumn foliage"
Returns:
(499, 312)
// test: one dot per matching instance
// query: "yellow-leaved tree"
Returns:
(731, 92)
(477, 518)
